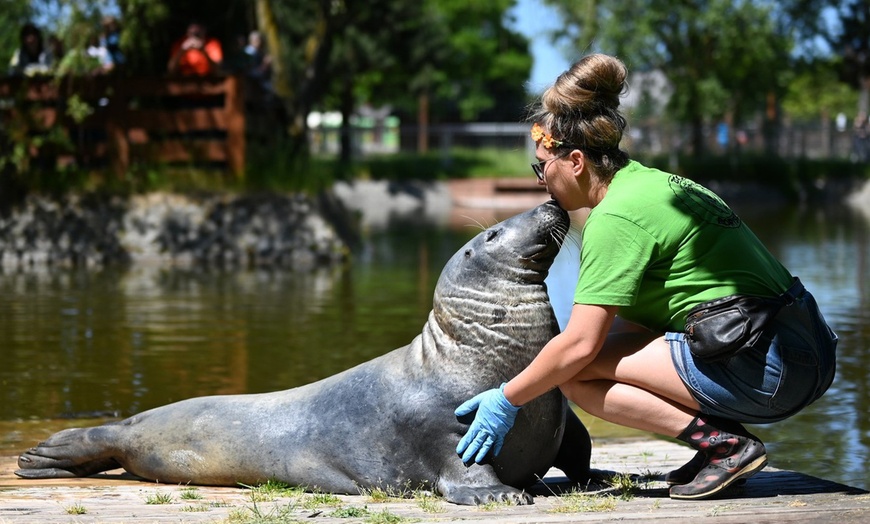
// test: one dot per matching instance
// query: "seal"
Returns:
(386, 423)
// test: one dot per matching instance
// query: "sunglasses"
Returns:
(538, 167)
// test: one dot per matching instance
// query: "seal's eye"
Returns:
(491, 235)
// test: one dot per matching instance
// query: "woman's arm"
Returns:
(565, 355)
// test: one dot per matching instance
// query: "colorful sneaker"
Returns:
(738, 458)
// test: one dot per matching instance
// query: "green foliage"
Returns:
(815, 91)
(15, 13)
(724, 58)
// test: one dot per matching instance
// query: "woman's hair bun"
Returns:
(592, 85)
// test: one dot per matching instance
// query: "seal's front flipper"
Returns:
(575, 452)
(476, 484)
(477, 495)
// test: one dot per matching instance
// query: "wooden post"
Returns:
(234, 105)
(116, 131)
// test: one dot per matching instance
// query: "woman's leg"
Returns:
(634, 383)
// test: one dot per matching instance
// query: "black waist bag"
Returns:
(721, 328)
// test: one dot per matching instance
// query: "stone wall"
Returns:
(226, 230)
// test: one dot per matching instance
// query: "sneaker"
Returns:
(747, 457)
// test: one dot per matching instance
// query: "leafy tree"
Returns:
(849, 38)
(14, 15)
(456, 57)
(725, 58)
(815, 91)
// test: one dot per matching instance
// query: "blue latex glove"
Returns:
(495, 416)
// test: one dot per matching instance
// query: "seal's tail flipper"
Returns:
(68, 453)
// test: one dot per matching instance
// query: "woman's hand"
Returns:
(495, 417)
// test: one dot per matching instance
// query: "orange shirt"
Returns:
(194, 61)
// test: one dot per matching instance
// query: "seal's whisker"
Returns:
(476, 223)
(573, 239)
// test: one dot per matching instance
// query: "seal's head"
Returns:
(493, 288)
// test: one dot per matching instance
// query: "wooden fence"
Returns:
(132, 120)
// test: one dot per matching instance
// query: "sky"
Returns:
(535, 20)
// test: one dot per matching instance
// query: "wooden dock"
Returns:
(770, 496)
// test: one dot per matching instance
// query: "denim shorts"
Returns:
(769, 382)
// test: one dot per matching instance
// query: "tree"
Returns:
(850, 39)
(455, 56)
(724, 58)
(15, 14)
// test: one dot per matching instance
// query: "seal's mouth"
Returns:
(552, 223)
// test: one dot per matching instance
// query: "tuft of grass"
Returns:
(577, 502)
(350, 512)
(624, 485)
(384, 517)
(428, 502)
(388, 493)
(76, 509)
(716, 511)
(159, 498)
(190, 493)
(194, 508)
(272, 489)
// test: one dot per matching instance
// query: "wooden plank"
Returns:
(770, 496)
(180, 121)
(234, 109)
(181, 151)
(131, 131)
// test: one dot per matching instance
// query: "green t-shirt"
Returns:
(658, 244)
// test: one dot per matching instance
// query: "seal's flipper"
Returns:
(475, 485)
(575, 452)
(68, 453)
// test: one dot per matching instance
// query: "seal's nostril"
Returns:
(491, 235)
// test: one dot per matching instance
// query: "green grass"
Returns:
(76, 509)
(159, 498)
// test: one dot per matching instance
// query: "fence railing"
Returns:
(122, 121)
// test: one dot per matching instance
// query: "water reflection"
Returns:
(92, 343)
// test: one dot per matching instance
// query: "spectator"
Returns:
(100, 54)
(861, 138)
(260, 61)
(196, 53)
(111, 40)
(55, 50)
(31, 57)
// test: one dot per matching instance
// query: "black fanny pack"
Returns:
(722, 328)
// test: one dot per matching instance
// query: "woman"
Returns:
(30, 58)
(654, 246)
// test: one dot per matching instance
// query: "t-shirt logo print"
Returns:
(703, 203)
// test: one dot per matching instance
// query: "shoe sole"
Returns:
(750, 469)
(740, 481)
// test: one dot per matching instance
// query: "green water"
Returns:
(86, 345)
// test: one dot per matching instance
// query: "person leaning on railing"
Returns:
(196, 53)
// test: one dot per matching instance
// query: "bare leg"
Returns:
(633, 383)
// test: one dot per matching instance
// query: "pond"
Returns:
(79, 347)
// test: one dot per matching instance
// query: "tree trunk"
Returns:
(423, 123)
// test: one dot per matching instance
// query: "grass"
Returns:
(577, 502)
(159, 498)
(190, 493)
(76, 509)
